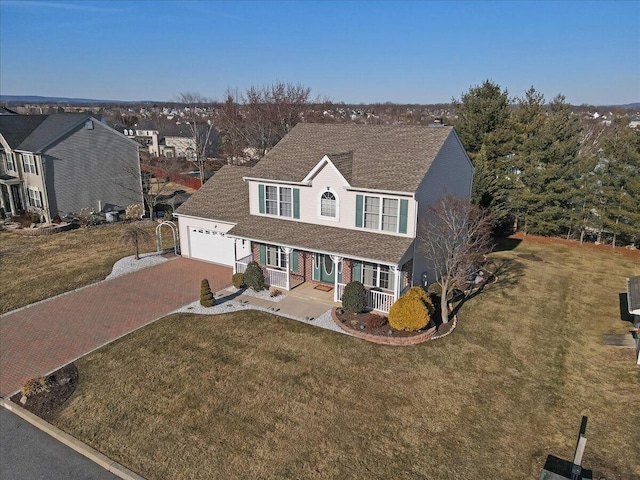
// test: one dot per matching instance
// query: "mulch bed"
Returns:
(376, 324)
(530, 238)
(61, 383)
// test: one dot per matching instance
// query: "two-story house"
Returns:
(330, 204)
(62, 163)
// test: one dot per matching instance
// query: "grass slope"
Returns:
(252, 395)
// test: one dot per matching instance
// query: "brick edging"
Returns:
(71, 442)
(397, 341)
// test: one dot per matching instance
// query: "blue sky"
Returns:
(403, 52)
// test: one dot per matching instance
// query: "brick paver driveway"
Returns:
(38, 339)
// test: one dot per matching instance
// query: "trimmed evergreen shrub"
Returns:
(254, 277)
(238, 280)
(412, 311)
(354, 297)
(206, 295)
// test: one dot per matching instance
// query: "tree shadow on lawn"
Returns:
(504, 273)
(506, 244)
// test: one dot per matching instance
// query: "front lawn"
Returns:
(253, 395)
(35, 268)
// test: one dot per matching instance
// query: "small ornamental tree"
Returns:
(206, 295)
(254, 277)
(412, 311)
(354, 297)
(134, 236)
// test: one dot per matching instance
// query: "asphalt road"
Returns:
(27, 453)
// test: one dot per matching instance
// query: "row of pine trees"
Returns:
(539, 170)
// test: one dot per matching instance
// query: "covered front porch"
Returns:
(323, 276)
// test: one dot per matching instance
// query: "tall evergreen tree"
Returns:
(619, 177)
(482, 114)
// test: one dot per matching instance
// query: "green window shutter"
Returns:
(404, 208)
(263, 254)
(357, 272)
(359, 209)
(294, 260)
(296, 203)
(341, 263)
(261, 197)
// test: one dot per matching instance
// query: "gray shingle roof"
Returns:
(224, 197)
(307, 236)
(384, 157)
(16, 128)
(53, 127)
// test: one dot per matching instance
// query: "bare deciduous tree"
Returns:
(200, 127)
(272, 111)
(455, 238)
(232, 126)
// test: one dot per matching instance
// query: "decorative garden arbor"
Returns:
(174, 229)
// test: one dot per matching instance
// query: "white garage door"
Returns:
(211, 246)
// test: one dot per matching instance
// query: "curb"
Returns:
(71, 442)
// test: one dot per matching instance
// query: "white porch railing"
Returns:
(275, 278)
(381, 301)
(376, 300)
(241, 264)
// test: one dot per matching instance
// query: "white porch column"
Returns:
(397, 281)
(235, 255)
(335, 259)
(287, 253)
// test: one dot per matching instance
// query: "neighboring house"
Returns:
(62, 163)
(633, 302)
(330, 204)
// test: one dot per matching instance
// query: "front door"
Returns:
(17, 200)
(323, 268)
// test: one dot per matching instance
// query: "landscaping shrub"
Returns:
(435, 289)
(412, 311)
(34, 386)
(254, 277)
(238, 280)
(206, 296)
(354, 297)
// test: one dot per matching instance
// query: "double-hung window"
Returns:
(286, 202)
(11, 161)
(384, 214)
(275, 257)
(378, 276)
(372, 213)
(29, 162)
(271, 200)
(390, 214)
(278, 201)
(34, 197)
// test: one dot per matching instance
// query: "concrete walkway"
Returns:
(40, 338)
